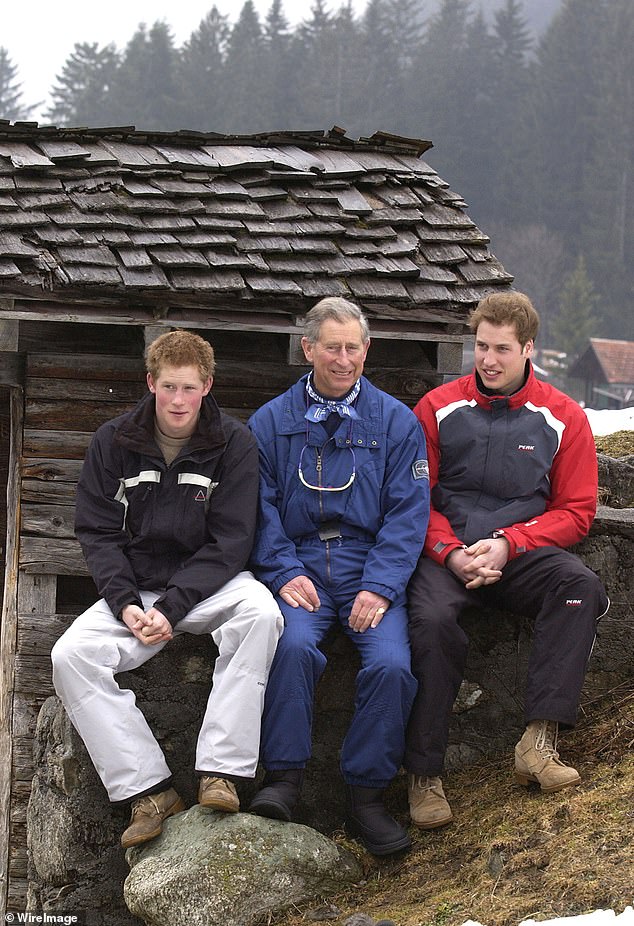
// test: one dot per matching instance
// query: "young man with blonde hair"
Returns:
(165, 514)
(513, 475)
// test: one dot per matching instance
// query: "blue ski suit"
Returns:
(367, 536)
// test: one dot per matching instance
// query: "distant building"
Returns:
(606, 369)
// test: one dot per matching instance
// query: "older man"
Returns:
(344, 502)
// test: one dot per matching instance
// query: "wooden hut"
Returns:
(606, 370)
(109, 237)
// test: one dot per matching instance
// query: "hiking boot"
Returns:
(537, 759)
(148, 814)
(279, 794)
(369, 821)
(428, 805)
(219, 794)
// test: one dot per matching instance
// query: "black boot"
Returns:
(279, 794)
(369, 821)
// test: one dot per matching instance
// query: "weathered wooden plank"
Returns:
(48, 520)
(36, 593)
(9, 333)
(50, 557)
(8, 638)
(52, 470)
(48, 493)
(11, 368)
(109, 392)
(425, 324)
(85, 366)
(22, 155)
(37, 632)
(16, 897)
(34, 675)
(63, 338)
(64, 445)
(69, 416)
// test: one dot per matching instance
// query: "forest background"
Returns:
(529, 105)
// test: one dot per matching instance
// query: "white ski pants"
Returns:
(245, 623)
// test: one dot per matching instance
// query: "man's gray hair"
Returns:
(338, 309)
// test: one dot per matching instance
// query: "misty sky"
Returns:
(40, 35)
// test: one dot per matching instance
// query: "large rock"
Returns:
(213, 869)
(616, 481)
(75, 860)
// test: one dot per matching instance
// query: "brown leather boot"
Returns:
(219, 794)
(148, 814)
(537, 759)
(428, 806)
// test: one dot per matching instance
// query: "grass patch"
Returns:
(514, 853)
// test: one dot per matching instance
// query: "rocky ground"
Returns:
(511, 853)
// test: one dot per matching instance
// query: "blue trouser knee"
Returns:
(385, 688)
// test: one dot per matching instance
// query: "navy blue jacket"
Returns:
(522, 466)
(386, 506)
(184, 529)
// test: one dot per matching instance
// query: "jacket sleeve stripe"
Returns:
(558, 426)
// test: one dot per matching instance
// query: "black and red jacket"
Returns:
(521, 466)
(184, 529)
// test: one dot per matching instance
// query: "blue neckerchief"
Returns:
(322, 408)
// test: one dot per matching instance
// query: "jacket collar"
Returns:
(136, 430)
(516, 400)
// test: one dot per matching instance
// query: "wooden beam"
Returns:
(11, 368)
(9, 334)
(8, 636)
(41, 556)
(429, 327)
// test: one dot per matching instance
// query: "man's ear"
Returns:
(208, 385)
(528, 348)
(150, 383)
(307, 347)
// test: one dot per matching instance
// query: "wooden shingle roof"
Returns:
(186, 221)
(606, 361)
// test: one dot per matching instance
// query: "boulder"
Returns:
(616, 481)
(75, 860)
(214, 869)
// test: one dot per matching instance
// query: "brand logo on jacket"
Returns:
(420, 469)
(574, 602)
(528, 447)
(200, 496)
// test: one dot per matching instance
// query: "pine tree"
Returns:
(11, 105)
(279, 74)
(442, 89)
(243, 67)
(146, 90)
(379, 75)
(201, 74)
(566, 98)
(507, 122)
(575, 321)
(315, 41)
(608, 233)
(81, 94)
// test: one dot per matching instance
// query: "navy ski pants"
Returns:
(550, 585)
(372, 751)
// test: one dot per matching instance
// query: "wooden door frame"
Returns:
(8, 633)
